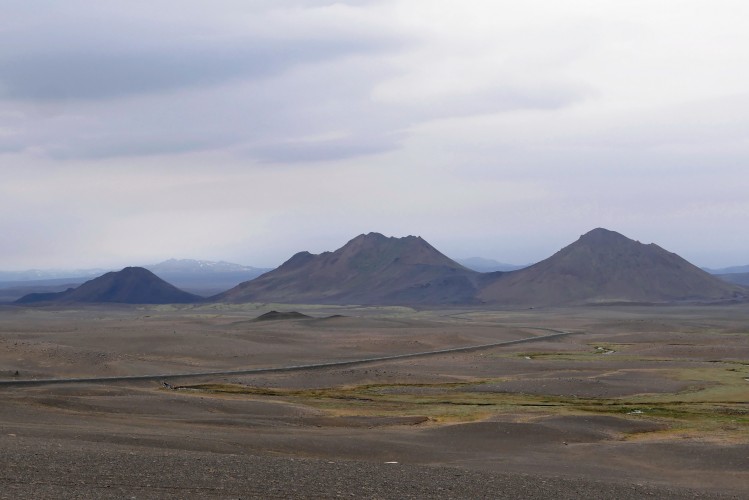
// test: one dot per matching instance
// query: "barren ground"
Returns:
(639, 401)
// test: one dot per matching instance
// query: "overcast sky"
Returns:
(241, 130)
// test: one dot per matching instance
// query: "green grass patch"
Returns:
(719, 383)
(585, 356)
(453, 402)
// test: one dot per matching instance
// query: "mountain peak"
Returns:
(370, 268)
(371, 236)
(603, 236)
(133, 271)
(605, 266)
(379, 238)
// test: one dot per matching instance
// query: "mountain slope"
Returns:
(132, 285)
(604, 266)
(369, 269)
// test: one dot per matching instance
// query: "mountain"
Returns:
(132, 285)
(204, 277)
(49, 274)
(482, 265)
(602, 266)
(369, 269)
(192, 266)
(737, 278)
(13, 290)
(729, 270)
(605, 266)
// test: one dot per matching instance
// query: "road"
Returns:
(281, 369)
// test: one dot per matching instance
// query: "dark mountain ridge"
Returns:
(602, 266)
(605, 266)
(729, 270)
(369, 269)
(737, 278)
(132, 285)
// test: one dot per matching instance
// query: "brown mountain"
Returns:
(604, 266)
(370, 269)
(132, 285)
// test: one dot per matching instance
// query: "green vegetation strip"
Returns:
(454, 402)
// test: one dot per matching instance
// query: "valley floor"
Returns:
(636, 401)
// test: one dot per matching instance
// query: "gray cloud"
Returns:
(113, 82)
(97, 73)
(314, 112)
(490, 130)
(129, 87)
(324, 149)
(100, 50)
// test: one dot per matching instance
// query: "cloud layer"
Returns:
(250, 130)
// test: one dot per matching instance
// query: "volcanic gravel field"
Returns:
(632, 402)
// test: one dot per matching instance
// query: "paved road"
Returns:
(279, 369)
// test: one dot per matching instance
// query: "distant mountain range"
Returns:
(735, 274)
(10, 291)
(602, 266)
(48, 274)
(738, 278)
(482, 265)
(201, 277)
(204, 277)
(193, 266)
(729, 270)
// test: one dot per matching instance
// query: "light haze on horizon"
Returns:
(246, 131)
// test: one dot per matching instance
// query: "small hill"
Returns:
(605, 266)
(369, 269)
(132, 285)
(276, 315)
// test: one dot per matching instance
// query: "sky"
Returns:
(248, 130)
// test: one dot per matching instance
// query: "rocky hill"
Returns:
(605, 266)
(132, 285)
(369, 269)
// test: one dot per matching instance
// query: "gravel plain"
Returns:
(514, 421)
